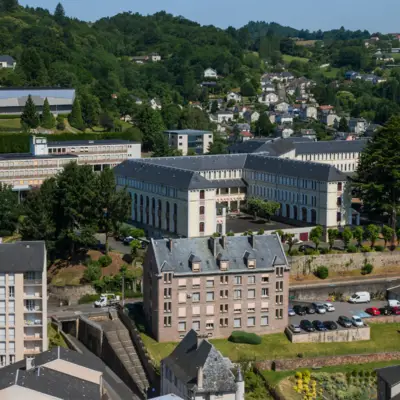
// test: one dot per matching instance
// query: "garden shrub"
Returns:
(351, 248)
(322, 272)
(298, 375)
(88, 298)
(294, 252)
(365, 249)
(324, 250)
(311, 252)
(244, 337)
(367, 269)
(379, 248)
(354, 372)
(105, 261)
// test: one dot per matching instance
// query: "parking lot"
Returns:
(346, 309)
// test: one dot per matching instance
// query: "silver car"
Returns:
(357, 321)
(319, 308)
(295, 328)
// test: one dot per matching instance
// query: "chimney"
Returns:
(223, 242)
(212, 245)
(29, 363)
(200, 378)
(274, 261)
(170, 245)
(252, 241)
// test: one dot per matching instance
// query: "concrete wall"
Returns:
(322, 291)
(71, 294)
(317, 362)
(91, 335)
(341, 335)
(343, 262)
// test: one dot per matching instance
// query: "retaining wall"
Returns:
(340, 335)
(70, 294)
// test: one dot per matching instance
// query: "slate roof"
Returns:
(20, 257)
(188, 356)
(87, 142)
(391, 375)
(331, 146)
(229, 183)
(297, 168)
(52, 382)
(266, 250)
(188, 132)
(8, 59)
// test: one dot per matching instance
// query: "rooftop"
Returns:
(391, 375)
(331, 146)
(176, 255)
(188, 132)
(21, 257)
(88, 142)
(29, 156)
(8, 59)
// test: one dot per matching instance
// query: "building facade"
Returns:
(215, 285)
(23, 301)
(46, 159)
(389, 383)
(196, 370)
(189, 139)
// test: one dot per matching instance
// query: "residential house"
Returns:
(189, 139)
(224, 116)
(286, 76)
(7, 62)
(251, 116)
(284, 118)
(282, 107)
(210, 73)
(269, 87)
(272, 116)
(196, 104)
(243, 127)
(58, 373)
(155, 104)
(284, 131)
(308, 133)
(330, 119)
(268, 98)
(350, 74)
(214, 286)
(234, 96)
(309, 112)
(138, 101)
(209, 84)
(358, 125)
(389, 383)
(240, 110)
(140, 59)
(197, 370)
(155, 57)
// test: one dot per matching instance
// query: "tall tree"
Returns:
(75, 117)
(343, 125)
(33, 68)
(378, 175)
(8, 210)
(47, 119)
(264, 127)
(113, 205)
(90, 106)
(30, 117)
(151, 124)
(59, 13)
(8, 5)
(214, 106)
(161, 147)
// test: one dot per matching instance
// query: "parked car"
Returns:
(345, 321)
(299, 310)
(318, 325)
(319, 308)
(128, 239)
(306, 325)
(393, 303)
(357, 321)
(310, 310)
(329, 307)
(373, 311)
(295, 328)
(360, 297)
(304, 247)
(395, 310)
(291, 312)
(385, 310)
(330, 325)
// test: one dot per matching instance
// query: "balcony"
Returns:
(32, 281)
(32, 351)
(33, 296)
(35, 323)
(33, 337)
(32, 310)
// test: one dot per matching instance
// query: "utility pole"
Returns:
(123, 289)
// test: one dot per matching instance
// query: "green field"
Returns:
(10, 124)
(330, 73)
(289, 59)
(384, 337)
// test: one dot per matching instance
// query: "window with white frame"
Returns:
(251, 294)
(182, 326)
(237, 322)
(264, 320)
(210, 296)
(251, 321)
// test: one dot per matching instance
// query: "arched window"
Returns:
(202, 209)
(201, 227)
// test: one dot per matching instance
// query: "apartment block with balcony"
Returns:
(189, 139)
(215, 286)
(23, 301)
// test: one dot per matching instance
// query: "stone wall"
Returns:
(343, 262)
(340, 335)
(70, 294)
(91, 335)
(318, 362)
(389, 319)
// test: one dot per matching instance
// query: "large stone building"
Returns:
(196, 370)
(189, 139)
(190, 196)
(23, 301)
(46, 159)
(215, 285)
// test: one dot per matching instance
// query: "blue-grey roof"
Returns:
(266, 250)
(188, 356)
(21, 257)
(229, 183)
(8, 59)
(331, 146)
(188, 132)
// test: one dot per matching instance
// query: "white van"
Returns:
(360, 297)
(394, 303)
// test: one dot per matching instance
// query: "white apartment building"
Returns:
(189, 139)
(46, 159)
(190, 196)
(23, 301)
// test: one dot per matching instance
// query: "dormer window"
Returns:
(224, 265)
(249, 260)
(251, 264)
(194, 263)
(196, 267)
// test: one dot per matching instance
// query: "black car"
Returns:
(299, 310)
(305, 247)
(306, 325)
(318, 325)
(344, 321)
(385, 311)
(330, 325)
(310, 310)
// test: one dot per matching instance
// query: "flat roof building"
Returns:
(189, 139)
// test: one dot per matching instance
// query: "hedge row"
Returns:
(244, 337)
(9, 116)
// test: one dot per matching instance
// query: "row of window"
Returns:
(11, 319)
(11, 292)
(3, 360)
(11, 279)
(11, 333)
(11, 306)
(282, 195)
(236, 173)
(11, 347)
(329, 156)
(282, 180)
(148, 187)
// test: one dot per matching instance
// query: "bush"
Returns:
(244, 337)
(351, 248)
(131, 294)
(379, 248)
(88, 298)
(92, 272)
(324, 250)
(365, 249)
(322, 272)
(294, 252)
(311, 252)
(105, 261)
(367, 269)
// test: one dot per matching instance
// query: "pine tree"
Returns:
(75, 118)
(30, 117)
(343, 126)
(8, 5)
(47, 120)
(59, 13)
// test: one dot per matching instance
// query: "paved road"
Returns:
(345, 309)
(114, 244)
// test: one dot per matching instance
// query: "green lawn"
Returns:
(288, 59)
(10, 124)
(330, 73)
(384, 337)
(396, 56)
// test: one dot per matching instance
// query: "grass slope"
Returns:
(288, 59)
(8, 124)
